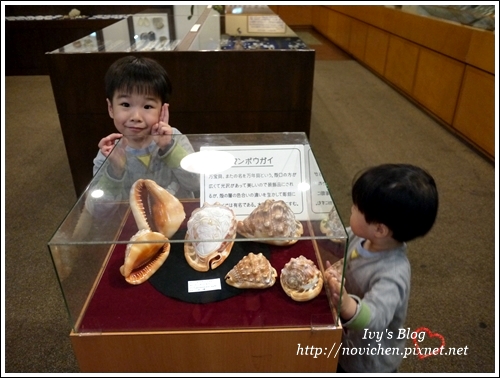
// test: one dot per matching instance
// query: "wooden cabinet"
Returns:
(437, 83)
(263, 351)
(377, 42)
(401, 64)
(475, 114)
(357, 40)
(299, 15)
(27, 41)
(445, 67)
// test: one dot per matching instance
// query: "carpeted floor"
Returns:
(307, 38)
(357, 120)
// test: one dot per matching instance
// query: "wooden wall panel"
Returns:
(357, 41)
(375, 15)
(320, 19)
(426, 58)
(331, 28)
(343, 31)
(437, 83)
(274, 8)
(475, 115)
(481, 51)
(377, 42)
(449, 38)
(295, 15)
(401, 65)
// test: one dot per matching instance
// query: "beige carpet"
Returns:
(357, 120)
(307, 38)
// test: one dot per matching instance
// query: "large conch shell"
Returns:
(272, 219)
(212, 225)
(332, 225)
(301, 279)
(155, 209)
(142, 260)
(252, 272)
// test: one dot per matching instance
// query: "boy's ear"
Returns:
(110, 108)
(382, 230)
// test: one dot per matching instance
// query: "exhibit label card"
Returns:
(204, 285)
(266, 172)
(319, 196)
(267, 23)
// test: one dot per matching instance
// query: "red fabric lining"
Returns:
(119, 306)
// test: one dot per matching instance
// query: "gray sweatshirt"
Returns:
(374, 339)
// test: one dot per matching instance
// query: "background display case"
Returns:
(266, 90)
(32, 30)
(185, 320)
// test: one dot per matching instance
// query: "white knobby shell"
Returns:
(213, 227)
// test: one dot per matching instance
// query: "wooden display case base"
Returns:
(273, 350)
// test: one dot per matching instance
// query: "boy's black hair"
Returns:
(401, 196)
(138, 74)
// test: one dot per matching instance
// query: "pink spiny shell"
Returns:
(254, 271)
(301, 279)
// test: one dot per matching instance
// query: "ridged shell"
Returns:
(301, 279)
(144, 258)
(332, 226)
(252, 272)
(155, 209)
(215, 222)
(272, 219)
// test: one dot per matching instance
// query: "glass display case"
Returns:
(209, 28)
(232, 198)
(477, 16)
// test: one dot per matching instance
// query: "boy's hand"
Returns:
(162, 129)
(107, 144)
(118, 158)
(333, 279)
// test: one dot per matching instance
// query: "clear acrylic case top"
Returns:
(211, 201)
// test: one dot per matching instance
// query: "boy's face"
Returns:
(358, 223)
(365, 230)
(134, 114)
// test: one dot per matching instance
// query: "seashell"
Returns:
(209, 224)
(142, 260)
(332, 226)
(252, 272)
(271, 219)
(155, 209)
(301, 279)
